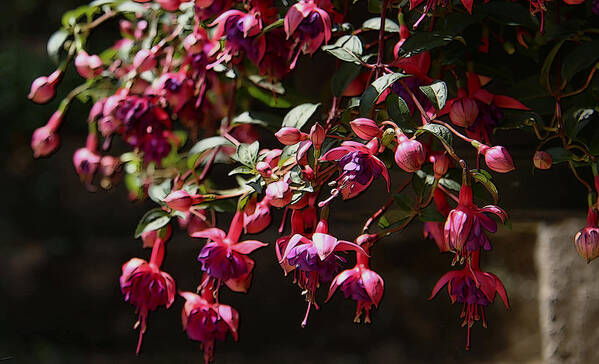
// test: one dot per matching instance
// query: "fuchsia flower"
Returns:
(302, 222)
(365, 128)
(279, 193)
(88, 66)
(242, 31)
(474, 289)
(359, 166)
(206, 321)
(466, 224)
(464, 110)
(176, 88)
(144, 60)
(315, 260)
(87, 160)
(225, 259)
(360, 284)
(497, 158)
(206, 9)
(43, 89)
(587, 239)
(45, 140)
(309, 25)
(147, 287)
(289, 136)
(409, 153)
(258, 219)
(489, 107)
(418, 67)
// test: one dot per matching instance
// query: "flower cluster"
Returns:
(191, 84)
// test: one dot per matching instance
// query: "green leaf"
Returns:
(375, 24)
(437, 93)
(268, 98)
(346, 73)
(347, 48)
(424, 41)
(287, 153)
(430, 213)
(577, 120)
(299, 115)
(508, 13)
(152, 220)
(56, 42)
(450, 184)
(158, 193)
(265, 119)
(242, 170)
(581, 57)
(559, 154)
(439, 131)
(375, 6)
(263, 81)
(399, 112)
(276, 24)
(484, 178)
(203, 145)
(131, 7)
(546, 68)
(374, 91)
(247, 154)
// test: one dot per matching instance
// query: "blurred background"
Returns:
(62, 248)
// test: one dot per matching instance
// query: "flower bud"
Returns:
(497, 158)
(88, 66)
(290, 136)
(86, 163)
(264, 169)
(150, 237)
(440, 162)
(43, 89)
(45, 140)
(317, 135)
(279, 194)
(144, 60)
(463, 112)
(409, 154)
(179, 200)
(259, 219)
(365, 128)
(587, 239)
(542, 160)
(109, 165)
(366, 240)
(170, 5)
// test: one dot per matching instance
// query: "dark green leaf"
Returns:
(265, 119)
(374, 91)
(268, 98)
(288, 152)
(581, 57)
(203, 145)
(159, 192)
(247, 154)
(424, 41)
(439, 131)
(437, 93)
(483, 177)
(299, 115)
(430, 213)
(559, 155)
(242, 170)
(347, 48)
(152, 220)
(508, 13)
(399, 112)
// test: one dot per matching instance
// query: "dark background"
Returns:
(62, 248)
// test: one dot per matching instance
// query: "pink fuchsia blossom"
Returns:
(289, 136)
(45, 140)
(441, 163)
(149, 238)
(474, 289)
(206, 9)
(176, 88)
(315, 260)
(587, 239)
(147, 287)
(279, 193)
(87, 160)
(43, 89)
(542, 160)
(409, 153)
(242, 31)
(359, 167)
(317, 135)
(464, 110)
(309, 26)
(225, 259)
(206, 321)
(88, 66)
(362, 285)
(257, 218)
(302, 222)
(497, 158)
(144, 60)
(466, 224)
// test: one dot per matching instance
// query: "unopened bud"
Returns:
(542, 160)
(365, 128)
(587, 239)
(279, 194)
(179, 200)
(409, 154)
(43, 89)
(264, 169)
(144, 60)
(463, 112)
(317, 135)
(290, 136)
(497, 158)
(440, 162)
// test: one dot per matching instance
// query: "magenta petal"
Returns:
(374, 285)
(335, 154)
(293, 18)
(337, 281)
(385, 172)
(495, 210)
(500, 290)
(248, 246)
(483, 96)
(443, 281)
(343, 245)
(213, 234)
(487, 223)
(295, 240)
(506, 102)
(324, 244)
(231, 318)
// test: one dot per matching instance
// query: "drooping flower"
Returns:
(497, 158)
(365, 128)
(474, 289)
(587, 239)
(466, 224)
(147, 287)
(43, 89)
(409, 153)
(315, 260)
(88, 66)
(206, 321)
(45, 139)
(242, 31)
(258, 219)
(302, 222)
(309, 26)
(362, 285)
(359, 167)
(225, 259)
